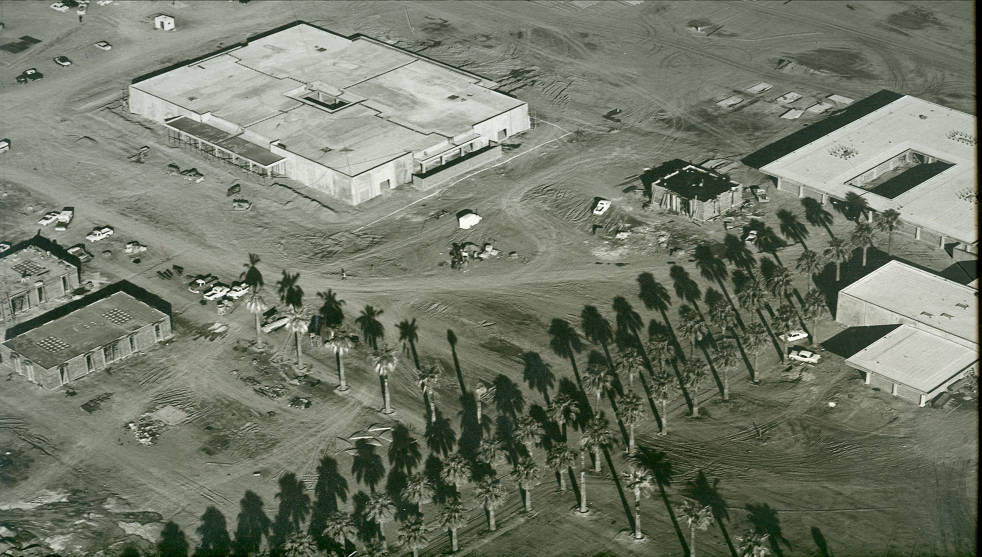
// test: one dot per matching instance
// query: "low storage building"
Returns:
(690, 189)
(35, 274)
(86, 335)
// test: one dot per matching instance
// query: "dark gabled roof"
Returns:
(836, 120)
(688, 180)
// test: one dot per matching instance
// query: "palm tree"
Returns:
(631, 362)
(753, 544)
(838, 251)
(664, 389)
(582, 452)
(299, 545)
(341, 343)
(417, 490)
(491, 496)
(371, 329)
(428, 379)
(565, 342)
(412, 534)
(599, 380)
(252, 275)
(564, 410)
(408, 335)
(560, 459)
(487, 451)
(452, 518)
(596, 437)
(816, 215)
(855, 205)
(656, 462)
(685, 288)
(528, 432)
(754, 339)
(379, 509)
(809, 263)
(631, 411)
(331, 313)
(814, 308)
(340, 527)
(597, 329)
(384, 361)
(288, 289)
(692, 326)
(726, 357)
(780, 282)
(298, 326)
(862, 236)
(256, 307)
(693, 372)
(784, 319)
(456, 470)
(527, 476)
(721, 315)
(792, 228)
(887, 221)
(735, 251)
(752, 297)
(696, 518)
(639, 481)
(707, 493)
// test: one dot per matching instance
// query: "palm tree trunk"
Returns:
(890, 243)
(453, 540)
(582, 482)
(664, 417)
(837, 274)
(671, 515)
(415, 552)
(637, 517)
(692, 542)
(596, 460)
(491, 524)
(386, 408)
(756, 379)
(630, 438)
(814, 336)
(528, 499)
(864, 255)
(562, 480)
(342, 384)
(726, 383)
(299, 351)
(259, 338)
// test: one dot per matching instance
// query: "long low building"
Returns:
(895, 151)
(350, 116)
(86, 335)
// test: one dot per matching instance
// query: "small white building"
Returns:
(164, 22)
(468, 219)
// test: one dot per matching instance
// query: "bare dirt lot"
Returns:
(613, 87)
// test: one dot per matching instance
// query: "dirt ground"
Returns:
(613, 87)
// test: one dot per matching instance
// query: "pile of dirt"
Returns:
(146, 429)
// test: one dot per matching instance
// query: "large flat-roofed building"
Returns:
(897, 152)
(350, 116)
(86, 335)
(35, 274)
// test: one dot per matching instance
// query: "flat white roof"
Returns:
(943, 203)
(921, 296)
(914, 357)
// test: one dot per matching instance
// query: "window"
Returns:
(18, 304)
(157, 333)
(29, 370)
(16, 360)
(502, 134)
(384, 185)
(109, 352)
(89, 363)
(132, 343)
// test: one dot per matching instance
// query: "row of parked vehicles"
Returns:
(211, 289)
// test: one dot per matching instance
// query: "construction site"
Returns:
(468, 174)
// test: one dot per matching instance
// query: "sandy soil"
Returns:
(614, 87)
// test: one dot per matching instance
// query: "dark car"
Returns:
(30, 74)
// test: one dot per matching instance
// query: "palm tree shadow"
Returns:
(657, 463)
(651, 401)
(707, 494)
(452, 340)
(620, 489)
(765, 521)
(823, 546)
(471, 431)
(712, 367)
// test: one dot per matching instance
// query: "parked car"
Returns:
(794, 335)
(217, 291)
(200, 283)
(103, 45)
(59, 7)
(30, 74)
(62, 61)
(238, 290)
(134, 247)
(79, 251)
(4, 246)
(806, 356)
(48, 218)
(100, 233)
(751, 237)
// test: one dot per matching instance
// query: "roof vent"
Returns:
(961, 305)
(927, 314)
(962, 137)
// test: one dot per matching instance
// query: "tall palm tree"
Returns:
(692, 326)
(631, 363)
(752, 297)
(784, 319)
(656, 462)
(371, 329)
(631, 411)
(252, 276)
(379, 509)
(856, 206)
(597, 329)
(694, 371)
(456, 470)
(792, 228)
(862, 237)
(417, 490)
(639, 481)
(780, 282)
(529, 433)
(582, 453)
(814, 308)
(299, 545)
(428, 379)
(560, 459)
(298, 326)
(816, 215)
(753, 544)
(527, 476)
(736, 252)
(596, 437)
(408, 336)
(288, 289)
(887, 221)
(664, 390)
(725, 358)
(384, 361)
(565, 342)
(341, 343)
(696, 518)
(256, 307)
(809, 263)
(564, 410)
(452, 518)
(754, 339)
(599, 380)
(721, 316)
(685, 288)
(491, 496)
(412, 534)
(331, 312)
(838, 251)
(340, 527)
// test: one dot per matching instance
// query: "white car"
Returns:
(48, 218)
(134, 247)
(276, 324)
(217, 292)
(601, 206)
(100, 233)
(804, 356)
(794, 336)
(751, 237)
(59, 7)
(62, 61)
(238, 290)
(4, 246)
(201, 282)
(103, 45)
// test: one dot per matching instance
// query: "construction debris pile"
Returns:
(146, 429)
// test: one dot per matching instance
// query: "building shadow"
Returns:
(854, 339)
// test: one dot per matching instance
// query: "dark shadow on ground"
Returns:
(854, 339)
